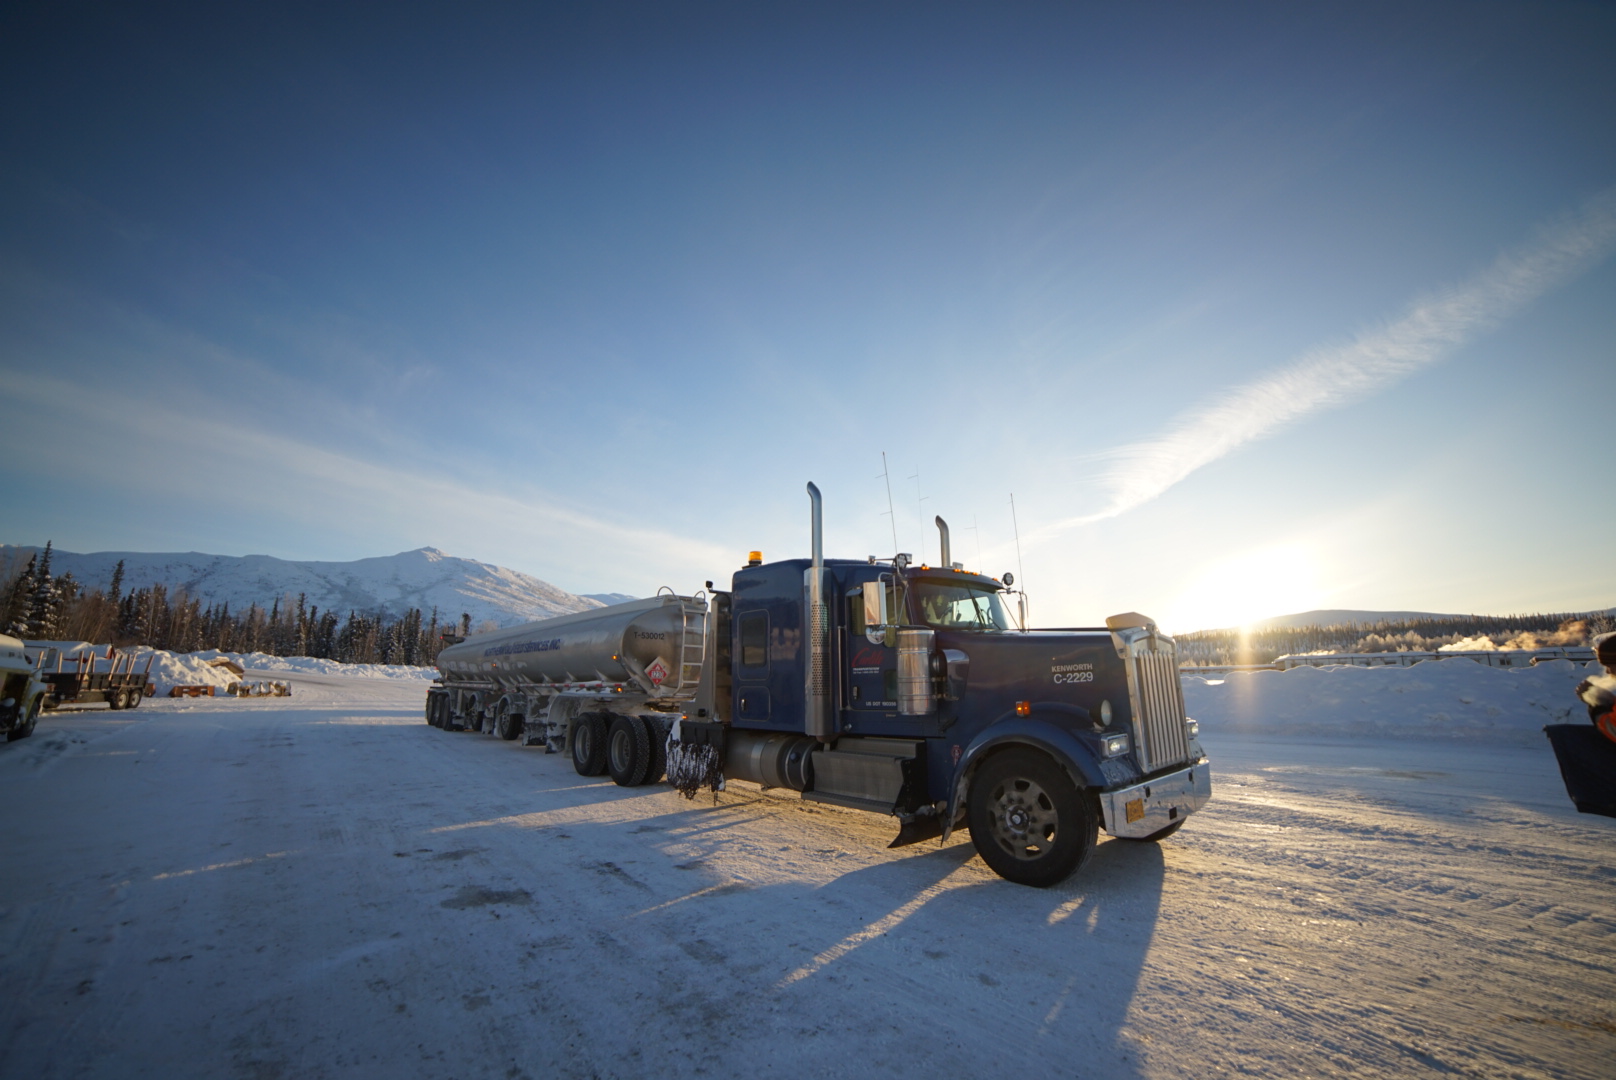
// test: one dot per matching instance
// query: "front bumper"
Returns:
(1143, 809)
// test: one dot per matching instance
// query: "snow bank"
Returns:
(308, 665)
(1433, 699)
(193, 669)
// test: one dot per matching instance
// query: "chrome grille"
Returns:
(1158, 702)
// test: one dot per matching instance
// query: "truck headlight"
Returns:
(1114, 745)
(1192, 728)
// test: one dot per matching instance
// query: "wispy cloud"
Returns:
(1335, 375)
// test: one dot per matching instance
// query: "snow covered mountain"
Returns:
(424, 579)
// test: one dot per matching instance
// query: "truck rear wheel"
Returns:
(114, 699)
(589, 745)
(658, 736)
(628, 751)
(1029, 822)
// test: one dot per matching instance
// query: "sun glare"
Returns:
(1250, 587)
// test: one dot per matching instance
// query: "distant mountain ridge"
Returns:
(1341, 617)
(390, 584)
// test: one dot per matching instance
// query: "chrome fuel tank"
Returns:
(653, 644)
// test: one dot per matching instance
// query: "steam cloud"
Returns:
(1335, 375)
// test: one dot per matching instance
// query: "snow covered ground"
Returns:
(325, 886)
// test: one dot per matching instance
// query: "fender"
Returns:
(1040, 730)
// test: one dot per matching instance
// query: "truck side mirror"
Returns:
(875, 611)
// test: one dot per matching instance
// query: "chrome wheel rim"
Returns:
(621, 751)
(1024, 819)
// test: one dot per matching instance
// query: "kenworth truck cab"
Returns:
(910, 690)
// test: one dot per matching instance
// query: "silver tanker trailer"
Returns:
(617, 675)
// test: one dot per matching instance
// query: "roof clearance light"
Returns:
(754, 558)
(1023, 708)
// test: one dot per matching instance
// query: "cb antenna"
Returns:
(1019, 568)
(891, 515)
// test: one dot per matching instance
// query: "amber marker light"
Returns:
(754, 558)
(1023, 708)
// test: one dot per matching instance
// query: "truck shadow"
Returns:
(925, 963)
(1046, 978)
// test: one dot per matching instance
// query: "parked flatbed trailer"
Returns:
(76, 682)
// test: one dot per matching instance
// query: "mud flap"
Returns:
(915, 829)
(1587, 765)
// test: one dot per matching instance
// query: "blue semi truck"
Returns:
(874, 684)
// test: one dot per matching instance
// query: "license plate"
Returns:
(1135, 809)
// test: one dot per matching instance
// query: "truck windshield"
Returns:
(959, 607)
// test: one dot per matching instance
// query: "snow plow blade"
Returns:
(1587, 765)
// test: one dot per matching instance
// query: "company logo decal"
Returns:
(523, 647)
(1072, 673)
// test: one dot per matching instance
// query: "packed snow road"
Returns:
(325, 886)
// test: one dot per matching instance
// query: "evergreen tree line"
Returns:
(1222, 647)
(41, 606)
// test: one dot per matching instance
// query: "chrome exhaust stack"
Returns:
(948, 551)
(818, 721)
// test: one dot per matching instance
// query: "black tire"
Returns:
(658, 737)
(1159, 834)
(510, 725)
(134, 699)
(1029, 822)
(628, 751)
(589, 745)
(114, 699)
(26, 727)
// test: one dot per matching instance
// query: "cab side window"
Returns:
(754, 634)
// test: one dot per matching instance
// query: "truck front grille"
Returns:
(1158, 703)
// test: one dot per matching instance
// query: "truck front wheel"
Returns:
(1029, 822)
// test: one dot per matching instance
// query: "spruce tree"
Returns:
(19, 598)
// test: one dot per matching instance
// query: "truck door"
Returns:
(751, 653)
(871, 669)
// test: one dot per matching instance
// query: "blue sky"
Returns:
(1253, 308)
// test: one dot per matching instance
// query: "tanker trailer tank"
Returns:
(643, 655)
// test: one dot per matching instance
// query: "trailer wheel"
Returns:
(510, 725)
(114, 699)
(628, 751)
(658, 738)
(1029, 822)
(134, 699)
(589, 745)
